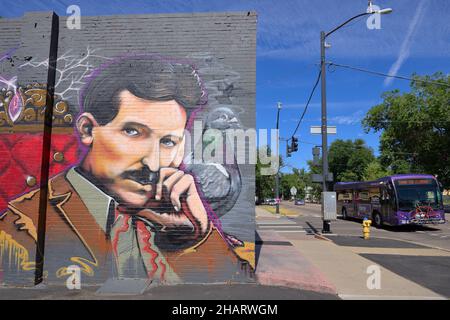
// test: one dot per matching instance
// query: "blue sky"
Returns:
(415, 38)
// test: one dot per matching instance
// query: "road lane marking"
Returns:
(299, 231)
(274, 227)
(276, 223)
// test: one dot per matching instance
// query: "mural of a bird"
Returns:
(220, 182)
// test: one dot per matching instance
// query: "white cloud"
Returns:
(352, 119)
(331, 105)
(406, 45)
(290, 29)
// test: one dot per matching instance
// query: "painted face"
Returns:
(128, 152)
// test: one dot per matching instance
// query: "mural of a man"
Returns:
(128, 209)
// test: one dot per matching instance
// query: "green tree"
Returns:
(349, 159)
(415, 128)
(374, 171)
(265, 184)
(299, 179)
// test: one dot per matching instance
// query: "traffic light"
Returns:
(288, 150)
(294, 145)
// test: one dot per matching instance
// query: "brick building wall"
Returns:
(219, 49)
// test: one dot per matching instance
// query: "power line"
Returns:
(388, 75)
(306, 142)
(307, 103)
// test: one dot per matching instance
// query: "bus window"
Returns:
(363, 195)
(374, 195)
(392, 197)
(385, 196)
(413, 193)
(345, 195)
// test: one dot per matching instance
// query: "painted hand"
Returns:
(177, 206)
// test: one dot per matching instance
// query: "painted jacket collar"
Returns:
(97, 202)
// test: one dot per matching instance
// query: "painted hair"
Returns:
(145, 76)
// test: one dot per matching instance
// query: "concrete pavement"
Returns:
(338, 267)
(222, 292)
(282, 274)
(293, 262)
(280, 264)
(348, 271)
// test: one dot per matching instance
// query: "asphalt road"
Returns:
(435, 236)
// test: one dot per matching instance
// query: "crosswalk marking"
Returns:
(286, 231)
(276, 223)
(274, 227)
(283, 226)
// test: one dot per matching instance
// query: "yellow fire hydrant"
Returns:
(366, 228)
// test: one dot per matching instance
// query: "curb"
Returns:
(268, 278)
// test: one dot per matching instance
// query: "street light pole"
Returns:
(323, 46)
(277, 178)
(326, 224)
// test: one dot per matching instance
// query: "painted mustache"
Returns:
(144, 176)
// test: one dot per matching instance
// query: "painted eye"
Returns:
(168, 143)
(131, 132)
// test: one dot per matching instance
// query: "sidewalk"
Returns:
(292, 263)
(312, 263)
(279, 262)
(198, 292)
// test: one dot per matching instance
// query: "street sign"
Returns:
(319, 177)
(316, 156)
(293, 191)
(318, 130)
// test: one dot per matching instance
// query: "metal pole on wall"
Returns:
(326, 224)
(277, 178)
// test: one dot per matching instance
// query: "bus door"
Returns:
(363, 205)
(348, 202)
(386, 204)
(375, 199)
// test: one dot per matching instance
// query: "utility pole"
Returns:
(326, 223)
(277, 178)
(323, 46)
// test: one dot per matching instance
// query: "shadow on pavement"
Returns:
(357, 241)
(258, 245)
(407, 228)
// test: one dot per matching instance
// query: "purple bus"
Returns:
(402, 199)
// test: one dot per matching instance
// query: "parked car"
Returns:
(447, 204)
(299, 202)
(271, 202)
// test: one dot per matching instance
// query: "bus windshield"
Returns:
(417, 192)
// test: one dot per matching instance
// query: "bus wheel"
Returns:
(377, 220)
(344, 214)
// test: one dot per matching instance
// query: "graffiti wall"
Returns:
(114, 157)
